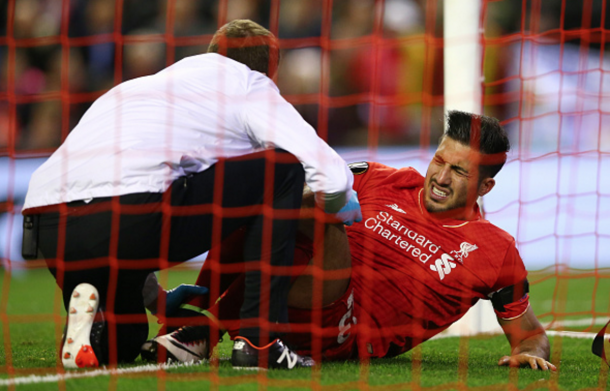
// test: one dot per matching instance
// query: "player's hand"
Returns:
(351, 212)
(175, 297)
(524, 360)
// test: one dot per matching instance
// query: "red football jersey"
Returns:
(414, 275)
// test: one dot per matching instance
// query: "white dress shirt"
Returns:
(145, 133)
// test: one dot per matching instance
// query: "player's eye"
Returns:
(462, 173)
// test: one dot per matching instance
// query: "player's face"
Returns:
(451, 184)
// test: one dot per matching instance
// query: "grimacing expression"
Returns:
(452, 183)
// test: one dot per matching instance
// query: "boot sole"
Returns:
(77, 351)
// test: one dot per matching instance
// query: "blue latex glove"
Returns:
(350, 213)
(175, 297)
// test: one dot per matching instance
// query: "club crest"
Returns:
(465, 249)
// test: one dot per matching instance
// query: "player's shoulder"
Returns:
(406, 177)
(492, 252)
(375, 174)
(382, 170)
(493, 235)
(370, 169)
(488, 226)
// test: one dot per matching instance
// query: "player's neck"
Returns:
(467, 213)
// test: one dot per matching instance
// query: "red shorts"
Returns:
(337, 331)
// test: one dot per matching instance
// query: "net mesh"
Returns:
(551, 94)
(368, 75)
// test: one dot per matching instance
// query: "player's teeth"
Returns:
(438, 192)
(72, 310)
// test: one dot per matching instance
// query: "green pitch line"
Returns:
(33, 307)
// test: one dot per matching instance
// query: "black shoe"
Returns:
(187, 344)
(81, 345)
(279, 356)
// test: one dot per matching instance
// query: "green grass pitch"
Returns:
(32, 319)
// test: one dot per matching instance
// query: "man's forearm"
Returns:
(529, 343)
(535, 345)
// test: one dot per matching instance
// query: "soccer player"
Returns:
(419, 259)
(159, 169)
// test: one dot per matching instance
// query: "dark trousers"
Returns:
(113, 243)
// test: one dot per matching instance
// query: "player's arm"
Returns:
(528, 341)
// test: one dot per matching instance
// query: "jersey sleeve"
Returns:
(510, 296)
(368, 175)
(272, 122)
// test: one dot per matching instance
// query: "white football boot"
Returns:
(82, 329)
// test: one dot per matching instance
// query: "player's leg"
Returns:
(224, 310)
(335, 263)
(331, 255)
(334, 334)
(223, 273)
(196, 339)
(226, 262)
(335, 258)
(223, 265)
(338, 340)
(225, 307)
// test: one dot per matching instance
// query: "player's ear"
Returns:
(485, 186)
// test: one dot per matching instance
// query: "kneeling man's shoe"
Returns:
(275, 355)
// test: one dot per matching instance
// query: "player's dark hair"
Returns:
(248, 43)
(482, 133)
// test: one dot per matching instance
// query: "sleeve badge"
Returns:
(358, 168)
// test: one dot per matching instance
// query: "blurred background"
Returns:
(367, 74)
(57, 69)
